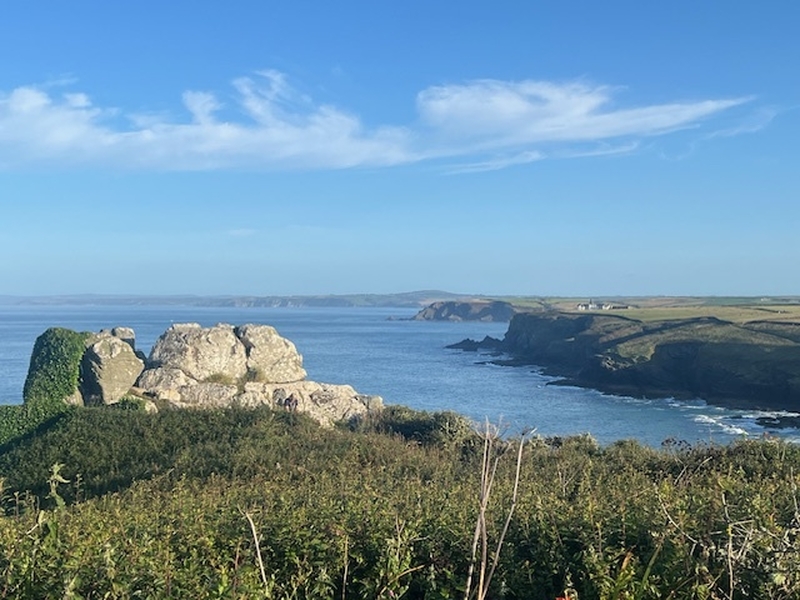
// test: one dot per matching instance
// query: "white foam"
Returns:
(725, 427)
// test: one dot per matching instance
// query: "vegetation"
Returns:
(55, 366)
(753, 364)
(261, 504)
(52, 377)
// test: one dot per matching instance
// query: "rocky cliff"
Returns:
(477, 310)
(201, 367)
(751, 365)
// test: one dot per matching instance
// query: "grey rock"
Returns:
(270, 357)
(164, 383)
(126, 334)
(201, 353)
(324, 402)
(206, 395)
(250, 365)
(109, 368)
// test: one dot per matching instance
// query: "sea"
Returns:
(380, 351)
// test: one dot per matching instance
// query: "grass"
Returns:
(261, 504)
(662, 308)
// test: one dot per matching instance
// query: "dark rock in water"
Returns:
(470, 345)
(478, 310)
(779, 422)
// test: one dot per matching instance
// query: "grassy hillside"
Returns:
(260, 504)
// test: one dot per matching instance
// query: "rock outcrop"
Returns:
(189, 367)
(109, 367)
(478, 310)
(251, 365)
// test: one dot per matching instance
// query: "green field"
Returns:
(733, 309)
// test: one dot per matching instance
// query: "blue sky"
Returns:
(570, 148)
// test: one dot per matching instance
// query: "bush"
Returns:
(55, 366)
(444, 429)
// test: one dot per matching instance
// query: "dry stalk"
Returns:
(489, 462)
(258, 548)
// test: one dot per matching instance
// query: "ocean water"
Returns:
(405, 362)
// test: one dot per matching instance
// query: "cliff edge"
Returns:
(473, 310)
(745, 365)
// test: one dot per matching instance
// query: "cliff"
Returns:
(475, 310)
(747, 365)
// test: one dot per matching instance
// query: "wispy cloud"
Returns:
(495, 164)
(493, 124)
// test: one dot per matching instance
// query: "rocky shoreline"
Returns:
(754, 366)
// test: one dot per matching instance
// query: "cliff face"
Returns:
(754, 365)
(478, 310)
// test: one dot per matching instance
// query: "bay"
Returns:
(378, 351)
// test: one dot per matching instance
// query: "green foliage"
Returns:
(52, 376)
(131, 402)
(157, 506)
(55, 366)
(220, 378)
(444, 429)
(17, 421)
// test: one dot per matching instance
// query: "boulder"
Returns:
(164, 383)
(270, 357)
(206, 395)
(109, 368)
(201, 353)
(191, 367)
(324, 402)
(126, 334)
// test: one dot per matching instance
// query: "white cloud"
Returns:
(498, 163)
(496, 114)
(494, 124)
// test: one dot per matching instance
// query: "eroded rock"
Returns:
(201, 352)
(109, 368)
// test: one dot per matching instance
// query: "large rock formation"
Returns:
(212, 367)
(189, 367)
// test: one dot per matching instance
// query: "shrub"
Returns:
(220, 378)
(55, 366)
(445, 428)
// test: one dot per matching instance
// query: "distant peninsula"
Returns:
(413, 299)
(467, 310)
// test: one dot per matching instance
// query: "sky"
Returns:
(504, 148)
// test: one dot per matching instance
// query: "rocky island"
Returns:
(753, 364)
